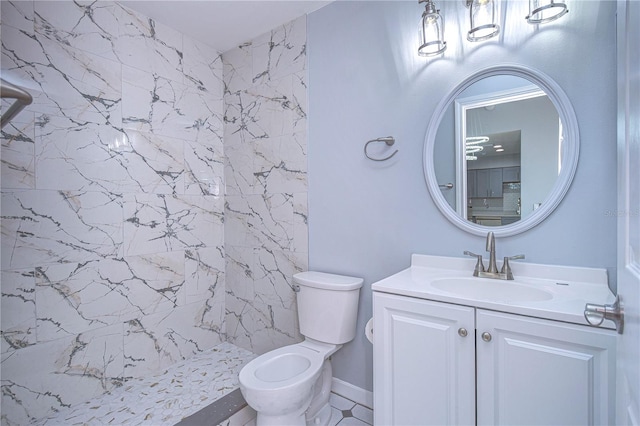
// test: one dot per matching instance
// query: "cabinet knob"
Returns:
(486, 337)
(462, 332)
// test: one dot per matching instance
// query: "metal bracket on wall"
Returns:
(389, 140)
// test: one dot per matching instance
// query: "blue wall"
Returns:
(366, 81)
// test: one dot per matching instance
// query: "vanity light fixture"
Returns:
(541, 11)
(483, 19)
(431, 31)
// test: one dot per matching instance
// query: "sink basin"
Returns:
(489, 289)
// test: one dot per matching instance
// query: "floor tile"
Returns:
(363, 413)
(340, 402)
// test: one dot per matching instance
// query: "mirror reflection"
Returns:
(500, 144)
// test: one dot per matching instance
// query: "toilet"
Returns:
(291, 385)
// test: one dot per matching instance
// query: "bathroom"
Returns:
(212, 177)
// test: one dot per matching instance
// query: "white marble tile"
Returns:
(149, 45)
(273, 278)
(18, 309)
(160, 223)
(73, 298)
(239, 164)
(86, 25)
(48, 377)
(204, 168)
(260, 327)
(21, 56)
(157, 341)
(204, 274)
(156, 104)
(101, 158)
(243, 112)
(149, 100)
(76, 84)
(239, 271)
(17, 14)
(300, 222)
(59, 226)
(238, 222)
(18, 152)
(259, 221)
(281, 164)
(272, 220)
(238, 68)
(203, 68)
(281, 52)
(299, 102)
(155, 163)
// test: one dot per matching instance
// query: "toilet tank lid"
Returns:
(327, 281)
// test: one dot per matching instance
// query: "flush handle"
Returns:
(596, 314)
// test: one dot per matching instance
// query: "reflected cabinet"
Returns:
(440, 363)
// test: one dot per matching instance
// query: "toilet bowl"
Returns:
(291, 385)
(281, 384)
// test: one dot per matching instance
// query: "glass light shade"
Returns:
(541, 11)
(431, 32)
(483, 15)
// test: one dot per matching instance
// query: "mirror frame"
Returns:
(570, 150)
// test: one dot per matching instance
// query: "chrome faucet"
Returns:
(492, 271)
(491, 248)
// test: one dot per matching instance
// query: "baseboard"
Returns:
(352, 392)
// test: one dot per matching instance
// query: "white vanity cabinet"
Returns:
(423, 362)
(441, 363)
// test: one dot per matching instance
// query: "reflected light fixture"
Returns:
(541, 11)
(431, 31)
(475, 140)
(483, 16)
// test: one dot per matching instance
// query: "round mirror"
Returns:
(501, 150)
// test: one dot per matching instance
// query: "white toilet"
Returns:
(291, 385)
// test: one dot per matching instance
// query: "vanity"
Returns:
(453, 349)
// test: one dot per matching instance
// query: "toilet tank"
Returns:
(328, 306)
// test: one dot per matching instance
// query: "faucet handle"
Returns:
(506, 267)
(479, 265)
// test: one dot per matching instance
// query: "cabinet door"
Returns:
(423, 367)
(489, 183)
(471, 184)
(482, 183)
(495, 182)
(511, 174)
(540, 372)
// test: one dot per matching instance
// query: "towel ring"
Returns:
(389, 140)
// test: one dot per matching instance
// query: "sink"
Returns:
(488, 289)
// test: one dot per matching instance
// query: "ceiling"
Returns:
(224, 24)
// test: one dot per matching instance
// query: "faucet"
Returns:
(491, 248)
(492, 271)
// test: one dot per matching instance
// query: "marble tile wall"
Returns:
(112, 249)
(265, 145)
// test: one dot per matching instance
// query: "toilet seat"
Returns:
(282, 368)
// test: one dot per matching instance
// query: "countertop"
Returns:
(571, 287)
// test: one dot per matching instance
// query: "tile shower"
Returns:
(153, 199)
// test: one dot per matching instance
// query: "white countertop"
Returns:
(571, 287)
